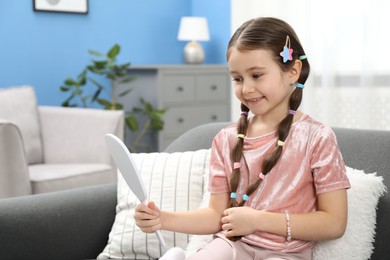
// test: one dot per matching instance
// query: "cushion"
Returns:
(67, 128)
(55, 177)
(19, 105)
(357, 242)
(175, 182)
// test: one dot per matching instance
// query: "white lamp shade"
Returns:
(193, 29)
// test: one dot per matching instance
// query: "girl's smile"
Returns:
(254, 101)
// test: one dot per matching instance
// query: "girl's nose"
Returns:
(248, 88)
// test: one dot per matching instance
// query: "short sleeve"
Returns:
(218, 182)
(327, 164)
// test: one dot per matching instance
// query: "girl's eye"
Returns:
(237, 79)
(257, 75)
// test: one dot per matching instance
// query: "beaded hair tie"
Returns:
(261, 176)
(236, 165)
(302, 57)
(291, 112)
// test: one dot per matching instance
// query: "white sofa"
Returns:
(45, 149)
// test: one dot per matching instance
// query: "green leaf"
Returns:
(95, 53)
(96, 95)
(95, 70)
(124, 93)
(82, 82)
(113, 52)
(70, 82)
(148, 107)
(124, 66)
(82, 75)
(132, 123)
(127, 79)
(137, 110)
(100, 64)
(117, 106)
(64, 88)
(66, 102)
(107, 104)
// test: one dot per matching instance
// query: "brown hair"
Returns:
(268, 34)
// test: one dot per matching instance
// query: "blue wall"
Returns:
(42, 49)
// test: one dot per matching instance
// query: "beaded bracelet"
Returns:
(287, 216)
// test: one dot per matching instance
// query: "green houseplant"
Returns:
(140, 120)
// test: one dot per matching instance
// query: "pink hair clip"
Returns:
(244, 113)
(236, 165)
(287, 51)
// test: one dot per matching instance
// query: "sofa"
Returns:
(47, 148)
(75, 224)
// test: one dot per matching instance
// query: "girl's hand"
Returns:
(240, 221)
(147, 217)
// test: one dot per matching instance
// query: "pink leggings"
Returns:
(221, 249)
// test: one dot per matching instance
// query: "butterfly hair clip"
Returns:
(287, 51)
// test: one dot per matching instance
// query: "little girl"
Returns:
(277, 178)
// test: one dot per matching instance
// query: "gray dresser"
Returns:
(192, 95)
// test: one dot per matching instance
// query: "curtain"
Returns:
(347, 46)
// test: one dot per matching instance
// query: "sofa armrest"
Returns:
(76, 135)
(14, 177)
(67, 225)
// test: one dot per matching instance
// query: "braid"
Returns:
(242, 127)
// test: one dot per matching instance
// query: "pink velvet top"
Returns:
(311, 163)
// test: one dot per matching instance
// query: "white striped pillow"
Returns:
(175, 182)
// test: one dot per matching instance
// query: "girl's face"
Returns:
(259, 83)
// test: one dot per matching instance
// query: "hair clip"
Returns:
(233, 195)
(241, 136)
(236, 165)
(287, 51)
(280, 143)
(245, 197)
(261, 176)
(299, 85)
(291, 112)
(244, 113)
(302, 57)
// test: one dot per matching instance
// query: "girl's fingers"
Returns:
(141, 208)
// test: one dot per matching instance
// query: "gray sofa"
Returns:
(75, 224)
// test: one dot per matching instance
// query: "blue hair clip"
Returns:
(245, 197)
(299, 85)
(233, 195)
(287, 51)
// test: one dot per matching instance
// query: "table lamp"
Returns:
(193, 29)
